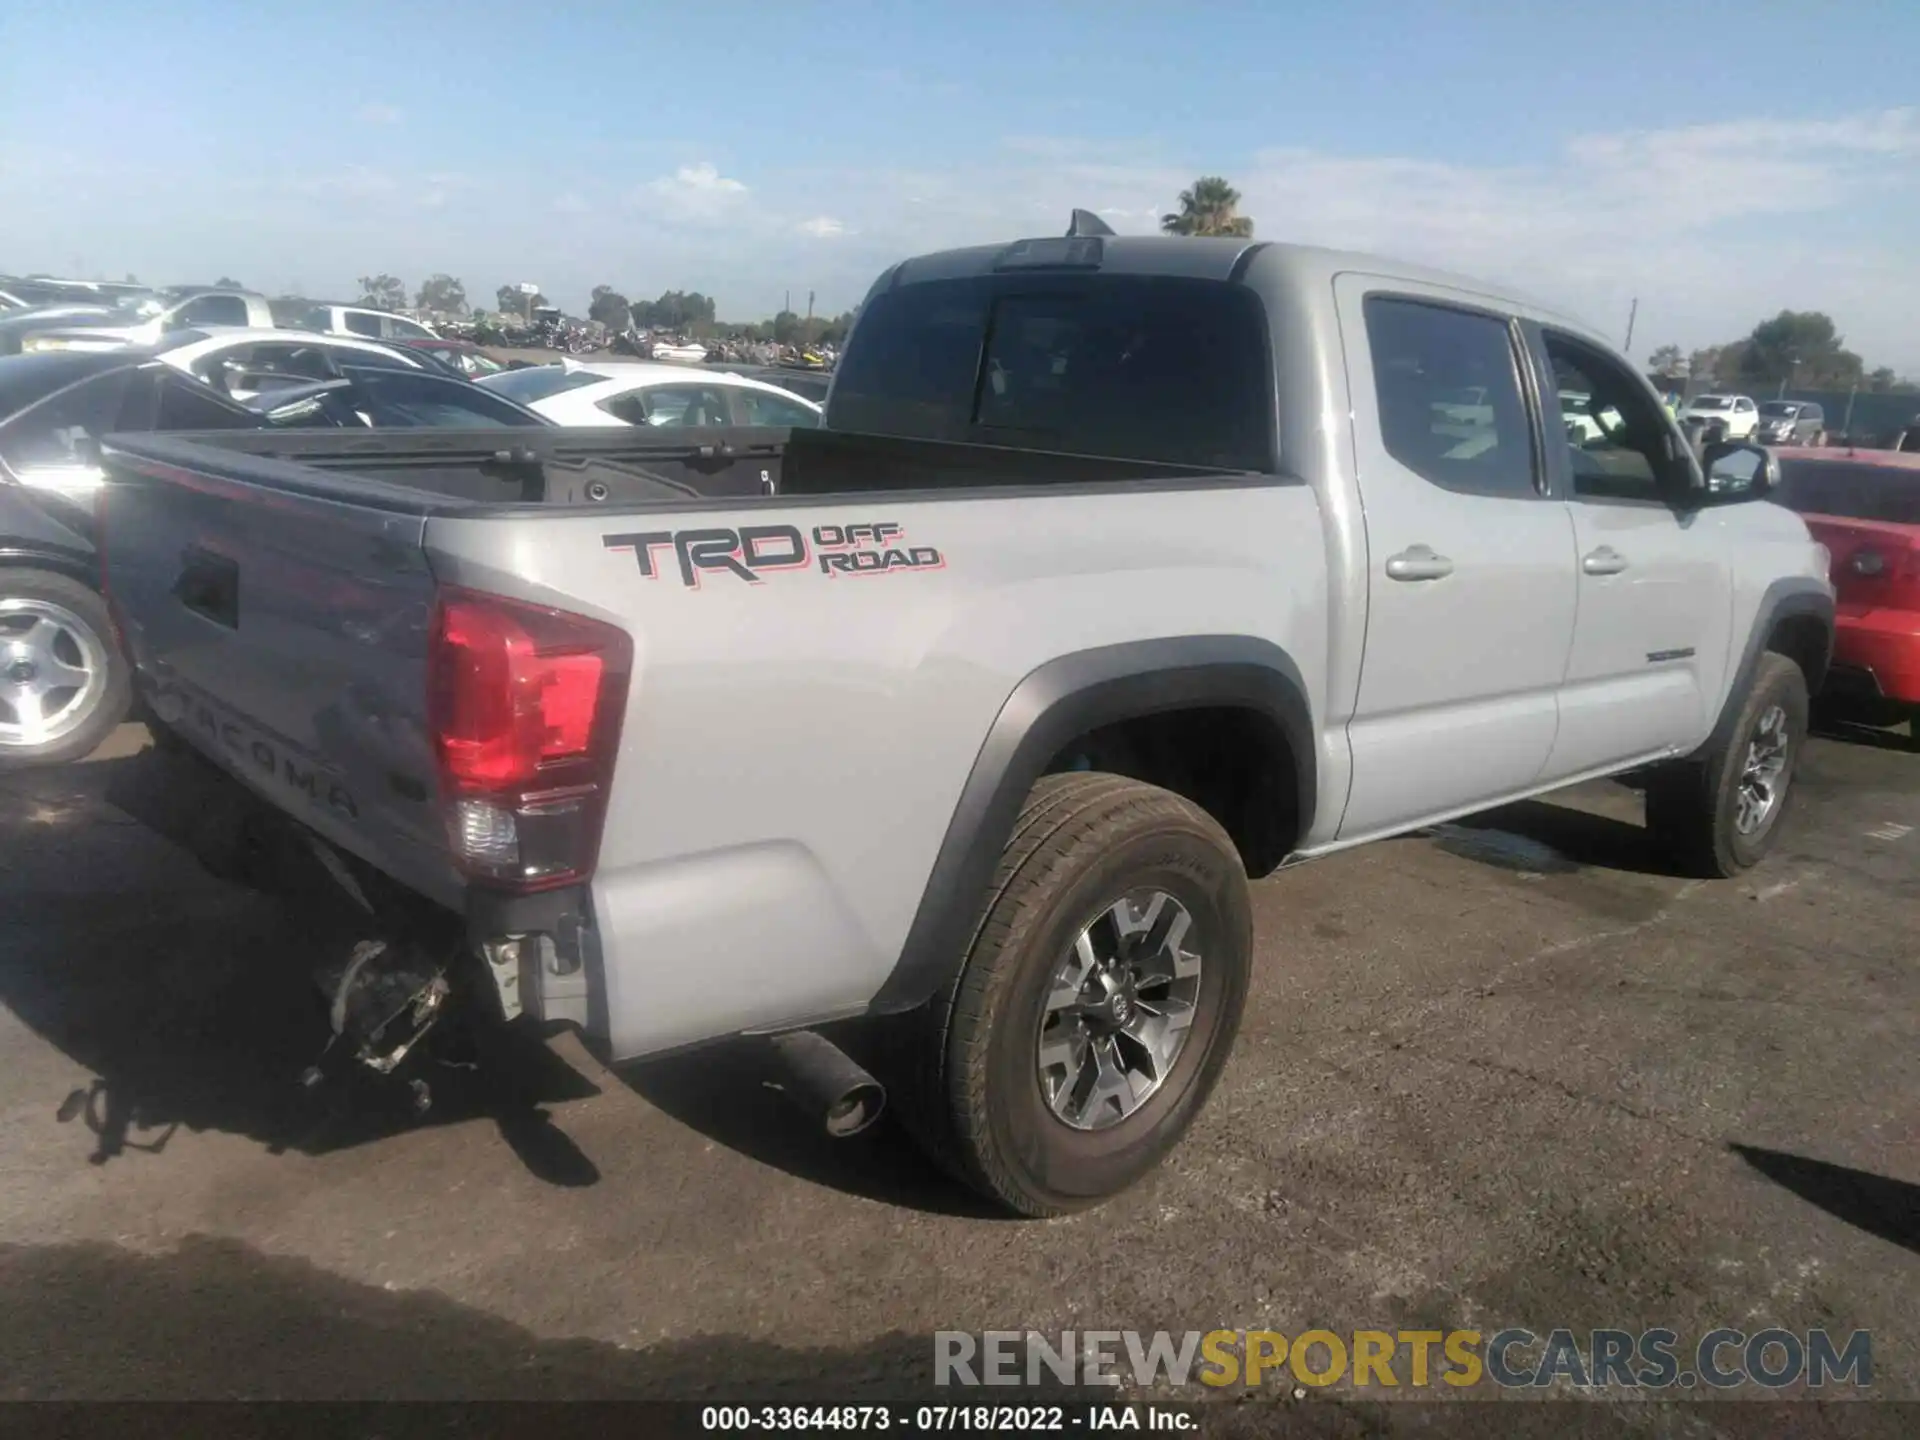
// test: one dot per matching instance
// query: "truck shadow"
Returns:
(190, 999)
(1543, 838)
(1877, 1204)
(728, 1093)
(1831, 726)
(91, 1321)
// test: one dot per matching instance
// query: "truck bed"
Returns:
(852, 635)
(439, 471)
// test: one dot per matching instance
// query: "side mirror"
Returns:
(1738, 470)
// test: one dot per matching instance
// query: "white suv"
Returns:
(1737, 412)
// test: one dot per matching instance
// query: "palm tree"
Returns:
(1207, 209)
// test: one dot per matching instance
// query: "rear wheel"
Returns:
(1097, 1004)
(1719, 814)
(64, 685)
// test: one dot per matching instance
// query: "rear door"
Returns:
(1655, 587)
(1470, 582)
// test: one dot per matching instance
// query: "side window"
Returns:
(757, 407)
(675, 405)
(1449, 397)
(215, 367)
(187, 406)
(394, 397)
(1617, 439)
(394, 328)
(51, 434)
(212, 310)
(358, 324)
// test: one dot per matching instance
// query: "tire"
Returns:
(49, 620)
(976, 1096)
(1695, 808)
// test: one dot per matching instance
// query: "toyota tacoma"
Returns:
(1124, 570)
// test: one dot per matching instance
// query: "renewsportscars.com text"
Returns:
(1657, 1359)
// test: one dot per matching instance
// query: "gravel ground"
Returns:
(1510, 1073)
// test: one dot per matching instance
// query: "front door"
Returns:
(1470, 588)
(1650, 645)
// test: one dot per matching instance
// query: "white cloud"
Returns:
(376, 112)
(696, 192)
(1710, 227)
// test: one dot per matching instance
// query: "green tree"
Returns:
(610, 308)
(227, 283)
(1667, 360)
(510, 301)
(835, 331)
(443, 295)
(1800, 347)
(1209, 208)
(382, 292)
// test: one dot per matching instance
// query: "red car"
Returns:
(1864, 506)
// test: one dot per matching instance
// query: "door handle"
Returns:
(1604, 561)
(1418, 562)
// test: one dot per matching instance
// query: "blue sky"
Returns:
(749, 150)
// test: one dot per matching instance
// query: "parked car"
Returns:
(1791, 422)
(385, 396)
(28, 293)
(1864, 506)
(63, 685)
(463, 357)
(637, 392)
(1737, 414)
(807, 384)
(1075, 614)
(229, 359)
(142, 322)
(369, 324)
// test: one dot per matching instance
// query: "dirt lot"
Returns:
(1509, 1074)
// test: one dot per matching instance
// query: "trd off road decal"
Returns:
(753, 551)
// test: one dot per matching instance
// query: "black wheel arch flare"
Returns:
(1061, 700)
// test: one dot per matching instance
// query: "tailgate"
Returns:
(282, 628)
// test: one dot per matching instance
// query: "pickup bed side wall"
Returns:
(799, 738)
(1067, 697)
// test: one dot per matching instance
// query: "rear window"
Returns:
(1710, 402)
(1133, 367)
(537, 382)
(1849, 492)
(1779, 409)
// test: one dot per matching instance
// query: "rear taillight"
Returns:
(525, 704)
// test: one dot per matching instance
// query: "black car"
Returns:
(63, 682)
(385, 398)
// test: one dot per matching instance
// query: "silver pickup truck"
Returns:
(1124, 570)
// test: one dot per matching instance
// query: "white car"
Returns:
(232, 361)
(368, 324)
(1737, 412)
(640, 392)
